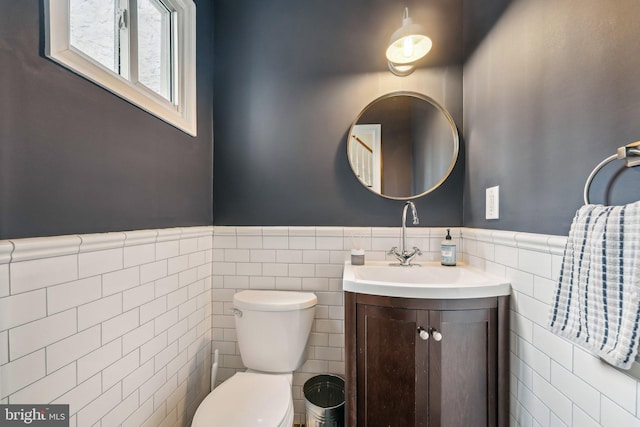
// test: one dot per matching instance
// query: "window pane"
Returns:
(93, 30)
(154, 52)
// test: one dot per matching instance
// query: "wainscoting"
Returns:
(553, 382)
(116, 325)
(301, 259)
(122, 326)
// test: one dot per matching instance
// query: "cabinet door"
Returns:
(463, 369)
(391, 368)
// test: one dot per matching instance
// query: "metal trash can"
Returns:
(324, 401)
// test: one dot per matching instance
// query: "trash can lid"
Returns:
(274, 300)
(324, 391)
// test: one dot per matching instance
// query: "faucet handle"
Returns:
(393, 251)
(417, 250)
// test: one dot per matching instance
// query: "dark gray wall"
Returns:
(75, 158)
(433, 148)
(290, 77)
(551, 91)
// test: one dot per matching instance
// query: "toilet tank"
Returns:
(273, 328)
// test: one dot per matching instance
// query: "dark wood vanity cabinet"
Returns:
(456, 376)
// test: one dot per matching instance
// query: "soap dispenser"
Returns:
(448, 250)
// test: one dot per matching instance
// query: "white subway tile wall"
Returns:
(122, 326)
(307, 259)
(117, 325)
(553, 382)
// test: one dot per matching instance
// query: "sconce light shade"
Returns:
(407, 45)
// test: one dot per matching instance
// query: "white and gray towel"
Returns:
(597, 299)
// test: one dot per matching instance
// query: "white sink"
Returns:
(422, 280)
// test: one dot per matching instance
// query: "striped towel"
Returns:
(597, 299)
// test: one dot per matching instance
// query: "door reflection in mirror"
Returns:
(366, 155)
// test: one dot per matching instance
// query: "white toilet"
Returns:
(272, 329)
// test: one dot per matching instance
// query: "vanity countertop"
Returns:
(422, 280)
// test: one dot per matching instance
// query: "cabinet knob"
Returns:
(436, 335)
(424, 334)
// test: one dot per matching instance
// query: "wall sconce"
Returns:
(407, 45)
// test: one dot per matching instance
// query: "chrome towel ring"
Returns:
(631, 154)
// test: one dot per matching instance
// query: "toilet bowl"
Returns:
(248, 399)
(272, 329)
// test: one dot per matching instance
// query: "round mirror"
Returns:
(403, 145)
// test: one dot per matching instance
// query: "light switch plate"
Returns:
(493, 203)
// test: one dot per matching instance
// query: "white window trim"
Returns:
(182, 115)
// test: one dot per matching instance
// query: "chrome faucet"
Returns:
(404, 256)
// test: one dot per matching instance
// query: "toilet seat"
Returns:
(247, 399)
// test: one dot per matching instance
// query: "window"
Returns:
(142, 50)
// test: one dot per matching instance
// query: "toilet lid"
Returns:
(265, 300)
(246, 399)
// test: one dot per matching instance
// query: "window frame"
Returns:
(182, 114)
